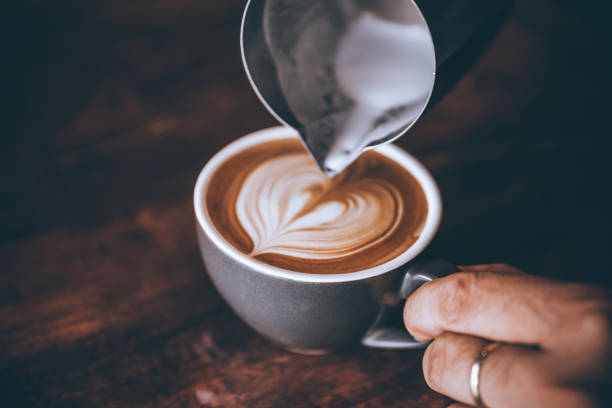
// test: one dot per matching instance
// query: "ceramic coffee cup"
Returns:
(319, 312)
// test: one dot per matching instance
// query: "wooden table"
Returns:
(113, 108)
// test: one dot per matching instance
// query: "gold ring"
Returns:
(475, 372)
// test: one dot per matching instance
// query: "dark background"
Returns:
(111, 108)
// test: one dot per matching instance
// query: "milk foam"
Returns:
(289, 207)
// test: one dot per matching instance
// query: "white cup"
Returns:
(318, 312)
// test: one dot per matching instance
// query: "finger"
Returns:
(446, 364)
(510, 376)
(511, 307)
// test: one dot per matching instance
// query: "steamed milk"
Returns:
(272, 202)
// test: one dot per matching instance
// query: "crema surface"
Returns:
(273, 203)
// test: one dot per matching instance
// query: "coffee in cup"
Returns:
(273, 203)
(311, 263)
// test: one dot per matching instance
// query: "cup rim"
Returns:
(407, 161)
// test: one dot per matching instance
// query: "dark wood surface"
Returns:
(112, 108)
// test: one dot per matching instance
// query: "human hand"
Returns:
(556, 337)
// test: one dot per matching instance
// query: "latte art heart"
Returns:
(289, 207)
(272, 203)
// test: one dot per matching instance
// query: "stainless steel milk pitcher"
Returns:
(352, 74)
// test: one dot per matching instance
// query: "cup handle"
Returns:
(388, 330)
